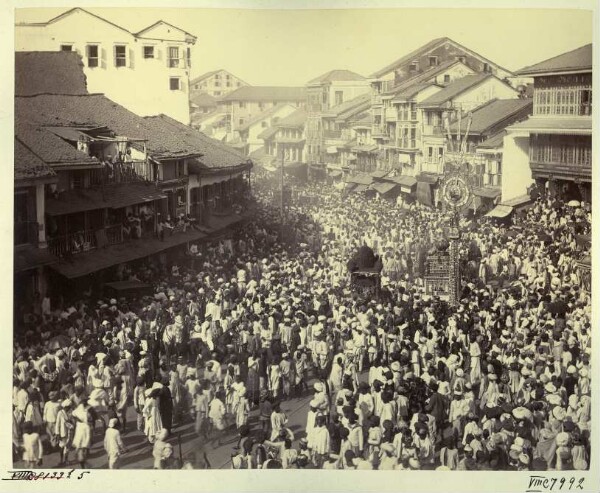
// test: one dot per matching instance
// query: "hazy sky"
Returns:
(290, 47)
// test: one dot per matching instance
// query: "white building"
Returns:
(147, 72)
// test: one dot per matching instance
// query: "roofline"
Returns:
(526, 70)
(168, 24)
(555, 72)
(445, 39)
(212, 72)
(454, 123)
(420, 105)
(74, 9)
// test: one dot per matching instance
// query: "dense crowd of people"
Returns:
(501, 381)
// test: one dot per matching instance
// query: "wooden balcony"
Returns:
(131, 172)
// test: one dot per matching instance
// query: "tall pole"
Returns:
(282, 211)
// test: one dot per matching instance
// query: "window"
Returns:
(263, 124)
(120, 56)
(66, 47)
(241, 121)
(242, 104)
(217, 93)
(173, 56)
(239, 84)
(92, 55)
(447, 78)
(217, 83)
(339, 97)
(180, 168)
(189, 57)
(414, 66)
(227, 76)
(174, 84)
(486, 67)
(148, 51)
(461, 59)
(563, 95)
(433, 61)
(228, 84)
(217, 76)
(195, 86)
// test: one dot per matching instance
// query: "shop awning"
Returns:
(112, 197)
(379, 173)
(332, 150)
(335, 174)
(488, 193)
(349, 187)
(406, 183)
(29, 257)
(520, 201)
(383, 188)
(368, 148)
(361, 188)
(500, 211)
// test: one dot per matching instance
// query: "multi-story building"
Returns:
(245, 103)
(323, 93)
(284, 142)
(105, 178)
(434, 54)
(246, 137)
(117, 62)
(217, 83)
(477, 140)
(201, 104)
(461, 96)
(553, 148)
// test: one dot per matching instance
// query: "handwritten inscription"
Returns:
(27, 475)
(538, 484)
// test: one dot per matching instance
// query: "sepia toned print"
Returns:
(371, 267)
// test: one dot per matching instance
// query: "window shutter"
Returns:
(102, 54)
(182, 85)
(131, 58)
(158, 53)
(115, 56)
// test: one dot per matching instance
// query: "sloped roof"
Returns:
(49, 147)
(166, 138)
(410, 92)
(366, 120)
(49, 72)
(204, 100)
(206, 75)
(423, 77)
(494, 112)
(576, 60)
(268, 133)
(351, 106)
(426, 48)
(151, 26)
(79, 9)
(493, 142)
(295, 119)
(215, 154)
(261, 116)
(454, 89)
(336, 75)
(575, 126)
(266, 93)
(28, 165)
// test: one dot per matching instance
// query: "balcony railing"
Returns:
(131, 172)
(406, 143)
(433, 130)
(432, 167)
(26, 233)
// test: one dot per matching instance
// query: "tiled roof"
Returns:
(454, 89)
(295, 119)
(50, 72)
(49, 147)
(421, 78)
(267, 93)
(204, 100)
(494, 113)
(493, 142)
(576, 126)
(336, 75)
(215, 154)
(268, 133)
(28, 165)
(261, 116)
(206, 75)
(410, 92)
(575, 60)
(426, 48)
(361, 179)
(151, 26)
(366, 120)
(352, 106)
